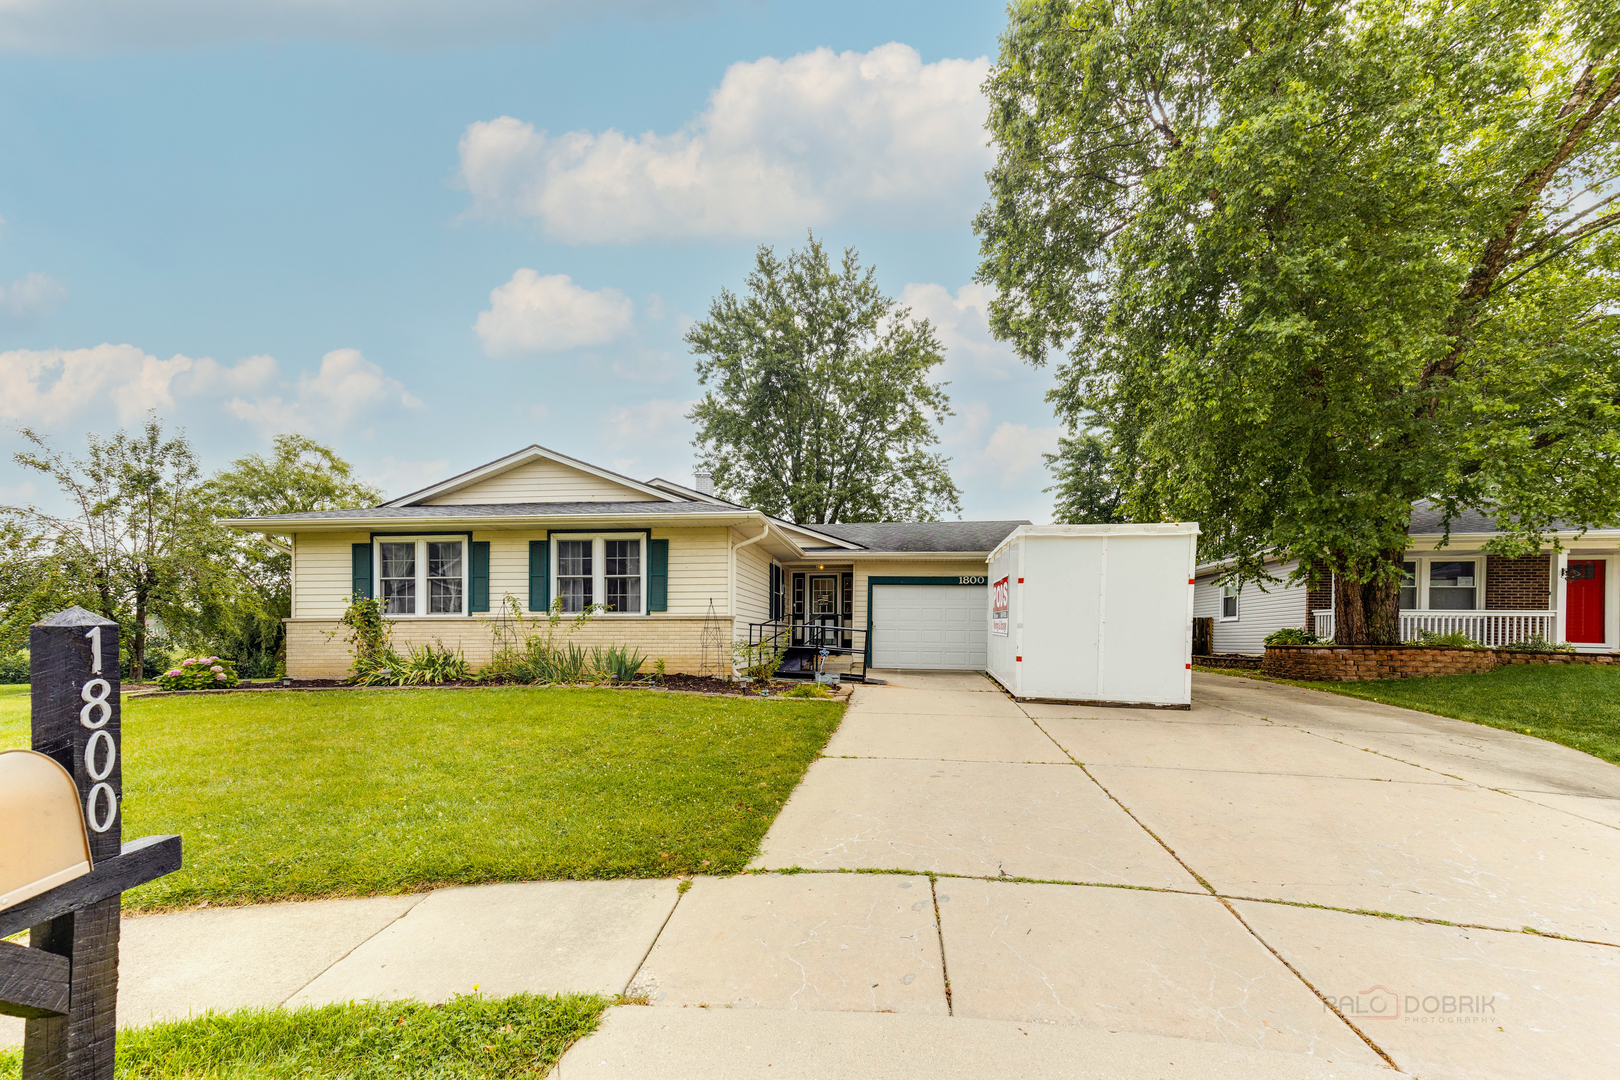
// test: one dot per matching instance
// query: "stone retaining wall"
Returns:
(1355, 663)
(1227, 660)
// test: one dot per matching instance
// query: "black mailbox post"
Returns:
(65, 981)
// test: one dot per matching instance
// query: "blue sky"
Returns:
(437, 237)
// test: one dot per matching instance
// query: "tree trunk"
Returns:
(137, 642)
(1367, 600)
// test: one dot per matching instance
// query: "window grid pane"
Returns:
(1451, 586)
(574, 584)
(622, 581)
(398, 578)
(1409, 589)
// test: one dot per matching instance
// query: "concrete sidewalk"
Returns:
(1210, 885)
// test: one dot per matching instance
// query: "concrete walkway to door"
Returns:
(1278, 882)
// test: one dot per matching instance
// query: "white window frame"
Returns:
(599, 575)
(421, 542)
(1423, 562)
(1236, 593)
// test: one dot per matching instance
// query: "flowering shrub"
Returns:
(201, 673)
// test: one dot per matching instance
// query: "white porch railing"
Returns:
(1486, 627)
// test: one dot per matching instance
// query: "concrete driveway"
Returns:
(1276, 882)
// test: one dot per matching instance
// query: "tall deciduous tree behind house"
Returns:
(134, 540)
(241, 614)
(820, 406)
(1313, 261)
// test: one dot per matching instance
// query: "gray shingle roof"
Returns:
(557, 509)
(1427, 519)
(976, 536)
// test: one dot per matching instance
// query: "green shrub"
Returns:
(618, 662)
(1290, 635)
(759, 662)
(1538, 644)
(1454, 640)
(808, 690)
(200, 673)
(14, 668)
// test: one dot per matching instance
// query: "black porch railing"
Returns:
(813, 647)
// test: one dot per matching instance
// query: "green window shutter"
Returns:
(658, 575)
(478, 583)
(360, 571)
(539, 575)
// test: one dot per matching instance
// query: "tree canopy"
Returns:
(1313, 261)
(1087, 492)
(820, 406)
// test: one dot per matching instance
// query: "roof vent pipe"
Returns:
(703, 483)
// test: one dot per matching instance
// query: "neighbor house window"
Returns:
(425, 576)
(574, 577)
(1229, 601)
(1451, 585)
(1409, 589)
(607, 571)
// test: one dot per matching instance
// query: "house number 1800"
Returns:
(971, 579)
(100, 752)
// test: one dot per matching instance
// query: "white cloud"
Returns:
(79, 25)
(1014, 449)
(209, 378)
(398, 477)
(548, 313)
(346, 388)
(784, 144)
(29, 297)
(962, 323)
(44, 386)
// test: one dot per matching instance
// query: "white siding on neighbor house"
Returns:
(541, 481)
(1259, 611)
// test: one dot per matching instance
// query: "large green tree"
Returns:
(240, 614)
(1312, 261)
(820, 406)
(1087, 492)
(132, 542)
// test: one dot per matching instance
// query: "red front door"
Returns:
(1584, 591)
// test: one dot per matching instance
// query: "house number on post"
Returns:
(100, 751)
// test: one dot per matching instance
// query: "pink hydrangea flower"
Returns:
(187, 663)
(220, 677)
(171, 674)
(216, 669)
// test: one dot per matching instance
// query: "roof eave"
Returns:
(285, 526)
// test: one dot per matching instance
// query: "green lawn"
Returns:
(294, 795)
(471, 1038)
(1578, 706)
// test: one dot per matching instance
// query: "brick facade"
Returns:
(1360, 662)
(1318, 596)
(1523, 583)
(316, 649)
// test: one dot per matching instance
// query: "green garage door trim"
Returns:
(962, 579)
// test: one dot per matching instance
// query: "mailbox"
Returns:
(44, 842)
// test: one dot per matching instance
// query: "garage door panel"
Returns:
(933, 627)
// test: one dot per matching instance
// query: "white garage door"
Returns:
(929, 626)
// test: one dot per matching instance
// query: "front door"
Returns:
(824, 606)
(1584, 594)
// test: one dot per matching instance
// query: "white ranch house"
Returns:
(1571, 595)
(672, 566)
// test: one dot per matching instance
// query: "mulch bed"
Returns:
(685, 684)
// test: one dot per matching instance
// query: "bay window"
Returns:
(609, 570)
(422, 575)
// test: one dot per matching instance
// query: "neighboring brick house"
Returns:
(1569, 595)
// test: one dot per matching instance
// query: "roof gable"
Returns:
(535, 475)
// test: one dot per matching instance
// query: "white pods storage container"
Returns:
(1094, 613)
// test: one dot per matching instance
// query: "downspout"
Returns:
(731, 585)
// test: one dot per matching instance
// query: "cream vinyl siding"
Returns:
(323, 573)
(541, 481)
(698, 560)
(901, 568)
(1259, 611)
(753, 586)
